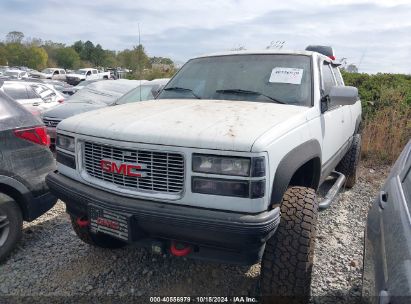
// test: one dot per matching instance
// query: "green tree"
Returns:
(15, 53)
(87, 51)
(3, 54)
(98, 55)
(36, 58)
(14, 37)
(67, 58)
(78, 46)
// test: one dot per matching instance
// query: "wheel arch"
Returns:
(17, 191)
(293, 167)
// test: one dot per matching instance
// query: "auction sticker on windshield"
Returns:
(286, 75)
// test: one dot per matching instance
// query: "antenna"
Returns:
(139, 57)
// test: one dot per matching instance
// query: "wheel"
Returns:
(11, 224)
(99, 240)
(288, 257)
(348, 165)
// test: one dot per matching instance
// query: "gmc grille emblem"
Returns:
(127, 169)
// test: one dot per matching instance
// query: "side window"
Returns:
(31, 93)
(327, 78)
(88, 73)
(94, 71)
(16, 92)
(56, 72)
(338, 77)
(62, 72)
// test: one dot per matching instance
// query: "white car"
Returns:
(224, 165)
(25, 93)
(50, 73)
(16, 74)
(86, 74)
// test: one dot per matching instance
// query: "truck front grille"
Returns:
(50, 122)
(162, 172)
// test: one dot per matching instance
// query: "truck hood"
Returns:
(208, 124)
(72, 108)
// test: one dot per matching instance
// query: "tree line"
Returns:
(16, 50)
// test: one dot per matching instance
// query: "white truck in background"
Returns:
(86, 74)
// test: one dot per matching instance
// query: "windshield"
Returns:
(93, 96)
(81, 72)
(143, 92)
(47, 71)
(255, 77)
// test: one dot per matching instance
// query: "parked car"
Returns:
(25, 94)
(86, 74)
(145, 91)
(25, 161)
(48, 93)
(73, 89)
(234, 140)
(96, 95)
(15, 74)
(50, 73)
(387, 241)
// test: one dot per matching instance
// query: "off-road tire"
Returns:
(288, 257)
(14, 222)
(348, 165)
(98, 240)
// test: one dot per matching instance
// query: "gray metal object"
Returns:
(334, 190)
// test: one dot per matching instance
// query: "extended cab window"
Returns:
(327, 77)
(249, 77)
(94, 71)
(338, 76)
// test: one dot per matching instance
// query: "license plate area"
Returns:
(106, 221)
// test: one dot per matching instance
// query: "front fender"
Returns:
(290, 163)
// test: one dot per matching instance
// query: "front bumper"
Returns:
(215, 235)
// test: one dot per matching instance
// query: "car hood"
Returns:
(207, 124)
(69, 109)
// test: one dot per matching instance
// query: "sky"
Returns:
(374, 35)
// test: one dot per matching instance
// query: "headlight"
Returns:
(221, 165)
(227, 165)
(65, 142)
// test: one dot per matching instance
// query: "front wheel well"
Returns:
(307, 175)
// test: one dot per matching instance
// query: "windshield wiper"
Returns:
(240, 91)
(182, 89)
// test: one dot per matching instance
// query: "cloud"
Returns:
(372, 34)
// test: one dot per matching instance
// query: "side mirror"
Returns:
(343, 96)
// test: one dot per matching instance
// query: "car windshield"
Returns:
(143, 92)
(47, 71)
(278, 78)
(81, 72)
(106, 92)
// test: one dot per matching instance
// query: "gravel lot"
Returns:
(52, 261)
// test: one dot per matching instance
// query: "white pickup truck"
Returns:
(86, 74)
(224, 165)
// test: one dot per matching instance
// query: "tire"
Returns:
(98, 240)
(348, 165)
(11, 224)
(287, 262)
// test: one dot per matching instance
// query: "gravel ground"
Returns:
(52, 261)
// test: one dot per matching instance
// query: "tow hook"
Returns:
(83, 223)
(179, 249)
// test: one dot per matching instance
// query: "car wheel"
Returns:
(99, 240)
(348, 165)
(11, 223)
(288, 257)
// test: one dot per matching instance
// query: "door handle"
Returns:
(383, 199)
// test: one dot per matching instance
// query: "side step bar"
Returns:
(332, 193)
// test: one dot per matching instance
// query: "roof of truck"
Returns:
(259, 52)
